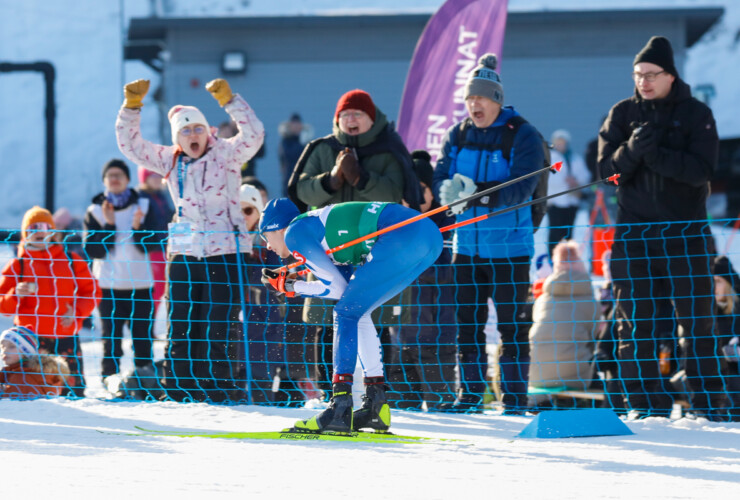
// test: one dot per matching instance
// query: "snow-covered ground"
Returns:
(57, 442)
(54, 448)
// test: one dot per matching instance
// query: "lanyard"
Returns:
(182, 170)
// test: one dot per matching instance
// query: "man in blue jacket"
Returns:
(491, 257)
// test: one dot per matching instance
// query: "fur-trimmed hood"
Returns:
(35, 376)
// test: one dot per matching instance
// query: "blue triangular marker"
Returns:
(575, 423)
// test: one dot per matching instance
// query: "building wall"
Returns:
(568, 73)
(559, 71)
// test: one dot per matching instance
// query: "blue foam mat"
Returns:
(575, 423)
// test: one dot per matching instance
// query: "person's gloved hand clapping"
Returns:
(349, 166)
(455, 189)
(643, 142)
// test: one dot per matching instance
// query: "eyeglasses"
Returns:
(39, 226)
(248, 211)
(648, 77)
(346, 115)
(195, 130)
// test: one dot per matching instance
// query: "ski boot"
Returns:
(337, 418)
(374, 413)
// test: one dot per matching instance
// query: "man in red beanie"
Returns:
(364, 159)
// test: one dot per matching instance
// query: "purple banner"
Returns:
(453, 39)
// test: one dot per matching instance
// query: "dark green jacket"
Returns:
(384, 181)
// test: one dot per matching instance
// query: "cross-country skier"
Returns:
(361, 278)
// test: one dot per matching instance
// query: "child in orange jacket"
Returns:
(27, 374)
(52, 291)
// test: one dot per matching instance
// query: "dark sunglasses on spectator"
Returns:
(248, 210)
(197, 130)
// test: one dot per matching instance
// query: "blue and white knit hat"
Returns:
(26, 341)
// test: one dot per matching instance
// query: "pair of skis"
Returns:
(291, 434)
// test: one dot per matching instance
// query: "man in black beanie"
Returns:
(664, 144)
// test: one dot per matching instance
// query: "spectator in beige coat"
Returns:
(565, 319)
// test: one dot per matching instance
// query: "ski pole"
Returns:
(554, 168)
(612, 178)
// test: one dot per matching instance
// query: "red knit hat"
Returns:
(144, 174)
(356, 99)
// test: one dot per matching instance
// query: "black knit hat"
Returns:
(116, 163)
(423, 167)
(657, 51)
(723, 267)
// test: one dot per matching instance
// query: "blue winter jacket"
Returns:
(501, 236)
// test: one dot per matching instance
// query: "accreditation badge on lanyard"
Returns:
(180, 233)
(181, 237)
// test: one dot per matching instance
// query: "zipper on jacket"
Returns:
(476, 211)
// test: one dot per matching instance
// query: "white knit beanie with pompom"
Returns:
(182, 116)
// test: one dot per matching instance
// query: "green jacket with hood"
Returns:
(382, 179)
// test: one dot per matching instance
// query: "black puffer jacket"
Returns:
(675, 186)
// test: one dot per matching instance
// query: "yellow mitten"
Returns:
(220, 90)
(134, 92)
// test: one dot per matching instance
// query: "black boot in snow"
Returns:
(514, 384)
(374, 413)
(337, 417)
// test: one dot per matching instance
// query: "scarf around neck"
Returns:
(118, 200)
